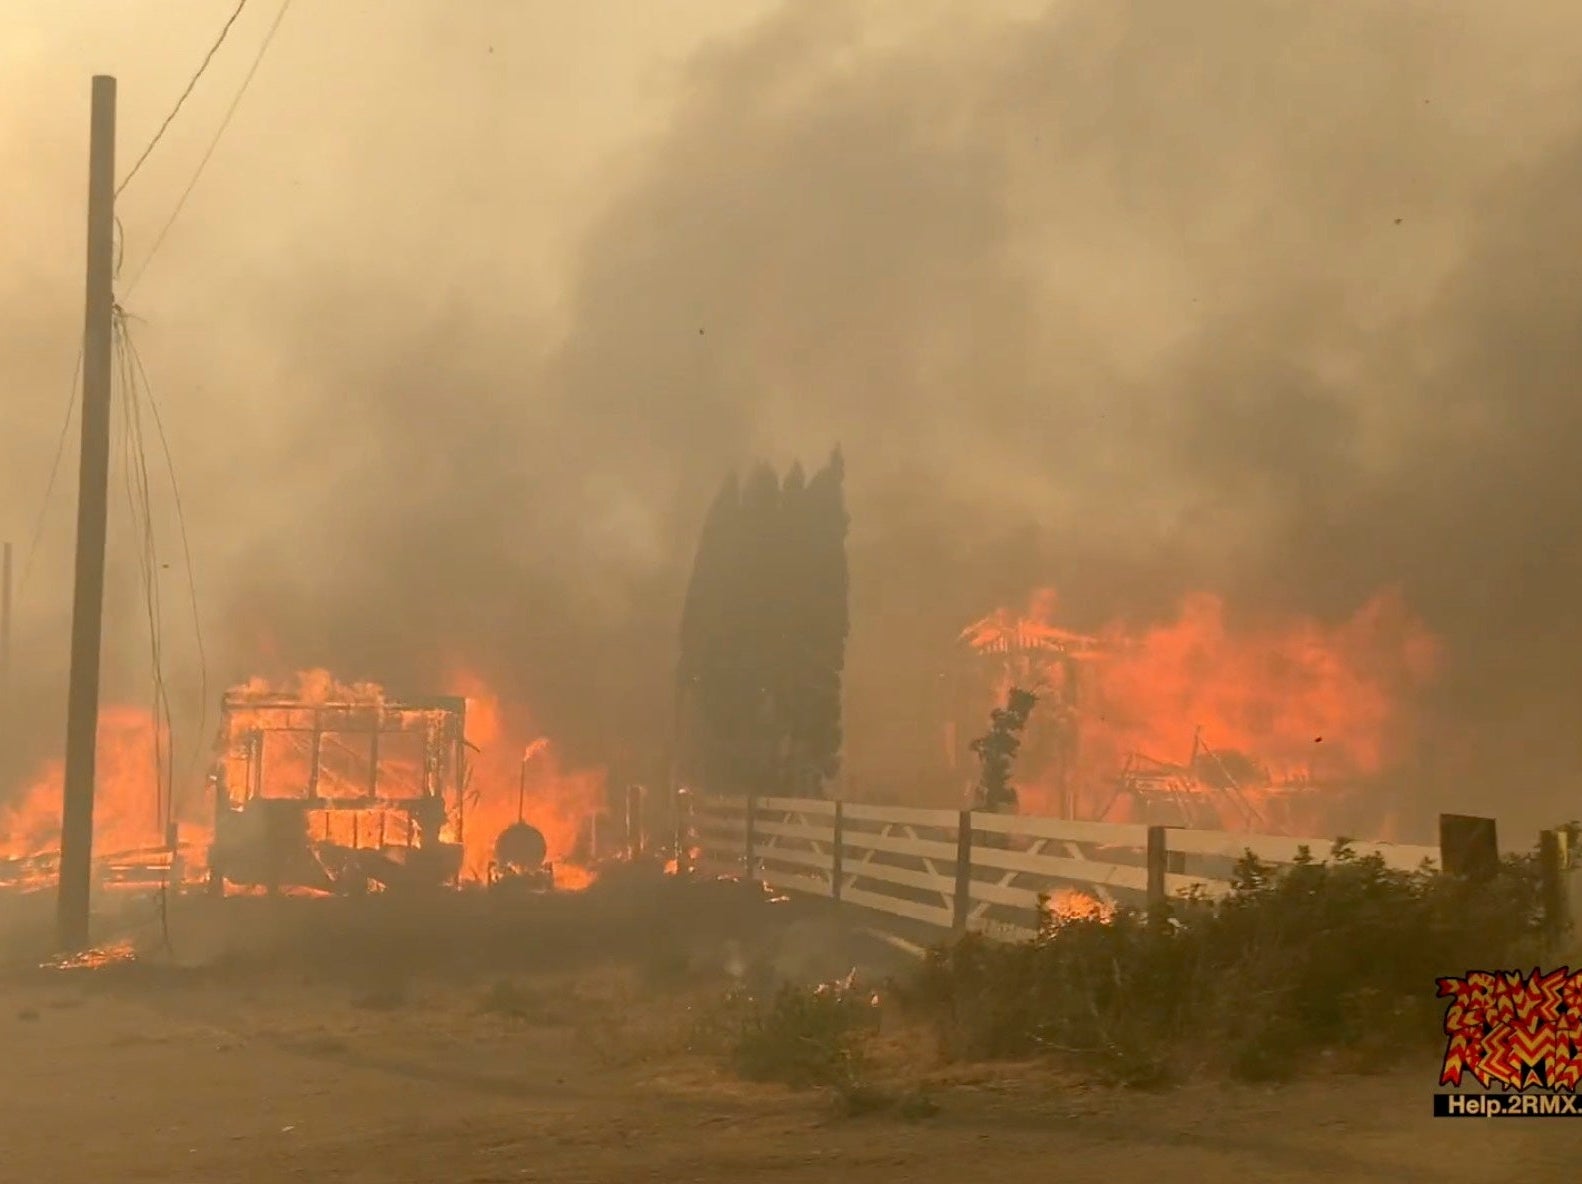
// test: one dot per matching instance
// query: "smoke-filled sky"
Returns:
(476, 302)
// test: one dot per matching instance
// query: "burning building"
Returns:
(338, 788)
(1291, 727)
(321, 785)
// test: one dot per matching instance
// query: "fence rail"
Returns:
(993, 873)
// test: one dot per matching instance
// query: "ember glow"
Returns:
(116, 954)
(1068, 904)
(1293, 705)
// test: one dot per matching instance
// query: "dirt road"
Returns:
(470, 1042)
(210, 1082)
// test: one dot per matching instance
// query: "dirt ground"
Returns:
(267, 1059)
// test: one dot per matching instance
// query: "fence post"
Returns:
(1158, 865)
(1552, 874)
(750, 854)
(837, 849)
(963, 897)
(683, 806)
(634, 822)
(1468, 846)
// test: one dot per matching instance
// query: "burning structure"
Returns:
(1294, 727)
(338, 792)
(323, 786)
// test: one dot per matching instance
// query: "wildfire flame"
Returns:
(559, 800)
(128, 818)
(1291, 703)
(1069, 904)
(127, 809)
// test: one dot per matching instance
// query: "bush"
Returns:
(1340, 956)
(797, 1036)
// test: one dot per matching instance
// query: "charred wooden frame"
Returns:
(263, 830)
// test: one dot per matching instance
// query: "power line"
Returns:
(181, 524)
(236, 101)
(136, 393)
(193, 82)
(54, 471)
(140, 504)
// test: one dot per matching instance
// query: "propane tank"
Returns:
(520, 846)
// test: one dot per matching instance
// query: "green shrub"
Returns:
(797, 1036)
(1339, 956)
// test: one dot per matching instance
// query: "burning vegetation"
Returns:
(1199, 722)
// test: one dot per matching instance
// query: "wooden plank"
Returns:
(1087, 871)
(1178, 885)
(985, 893)
(722, 826)
(799, 805)
(902, 816)
(791, 882)
(796, 830)
(856, 840)
(719, 805)
(818, 859)
(1280, 850)
(910, 909)
(1003, 931)
(1113, 834)
(905, 876)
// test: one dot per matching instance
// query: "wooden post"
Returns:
(683, 811)
(373, 760)
(1552, 872)
(750, 853)
(1158, 865)
(634, 822)
(1468, 846)
(5, 625)
(5, 648)
(87, 611)
(837, 854)
(963, 897)
(459, 760)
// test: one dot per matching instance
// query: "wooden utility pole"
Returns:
(7, 702)
(87, 610)
(5, 635)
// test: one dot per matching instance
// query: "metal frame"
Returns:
(438, 804)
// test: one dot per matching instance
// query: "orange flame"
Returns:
(1069, 904)
(127, 814)
(1309, 702)
(511, 761)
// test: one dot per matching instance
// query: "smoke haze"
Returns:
(476, 304)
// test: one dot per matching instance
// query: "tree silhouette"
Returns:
(763, 636)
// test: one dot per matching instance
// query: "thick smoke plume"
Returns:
(1269, 298)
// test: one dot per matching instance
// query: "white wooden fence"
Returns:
(977, 871)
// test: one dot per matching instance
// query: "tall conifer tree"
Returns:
(763, 635)
(826, 622)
